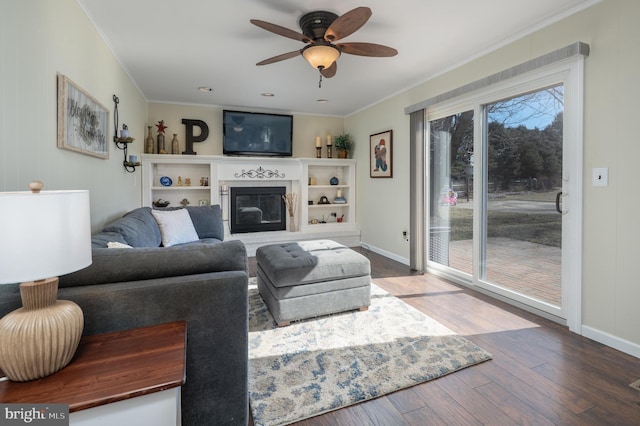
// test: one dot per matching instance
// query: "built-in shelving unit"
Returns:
(192, 179)
(317, 176)
(212, 176)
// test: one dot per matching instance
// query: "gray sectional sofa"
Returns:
(203, 282)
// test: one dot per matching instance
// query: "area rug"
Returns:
(322, 364)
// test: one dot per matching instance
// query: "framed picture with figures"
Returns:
(381, 155)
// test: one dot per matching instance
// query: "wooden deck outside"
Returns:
(527, 268)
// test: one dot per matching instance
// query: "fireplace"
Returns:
(257, 209)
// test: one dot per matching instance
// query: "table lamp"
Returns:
(42, 235)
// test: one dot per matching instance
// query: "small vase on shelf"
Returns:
(175, 145)
(148, 145)
(292, 224)
(161, 149)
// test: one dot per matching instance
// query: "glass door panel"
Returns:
(522, 229)
(450, 185)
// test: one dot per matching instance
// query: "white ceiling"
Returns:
(170, 47)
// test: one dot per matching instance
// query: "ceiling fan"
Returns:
(320, 30)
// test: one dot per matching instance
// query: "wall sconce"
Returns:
(122, 142)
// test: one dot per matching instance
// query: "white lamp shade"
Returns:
(321, 56)
(43, 235)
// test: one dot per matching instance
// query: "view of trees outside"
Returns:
(524, 174)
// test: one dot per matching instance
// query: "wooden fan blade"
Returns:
(347, 24)
(282, 31)
(331, 71)
(279, 58)
(367, 49)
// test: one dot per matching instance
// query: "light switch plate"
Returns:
(601, 176)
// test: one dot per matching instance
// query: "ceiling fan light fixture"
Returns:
(321, 56)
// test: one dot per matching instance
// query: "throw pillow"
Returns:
(175, 226)
(207, 220)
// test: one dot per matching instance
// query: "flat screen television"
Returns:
(255, 133)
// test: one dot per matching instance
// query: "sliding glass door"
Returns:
(521, 229)
(497, 191)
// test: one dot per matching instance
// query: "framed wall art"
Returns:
(83, 122)
(381, 155)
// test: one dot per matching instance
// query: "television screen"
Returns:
(253, 133)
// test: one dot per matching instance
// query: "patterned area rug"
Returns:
(322, 364)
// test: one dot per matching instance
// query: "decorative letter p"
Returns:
(190, 139)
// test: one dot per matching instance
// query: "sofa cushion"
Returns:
(208, 221)
(176, 226)
(137, 228)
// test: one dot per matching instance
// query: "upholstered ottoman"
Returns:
(312, 278)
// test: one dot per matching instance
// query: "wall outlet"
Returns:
(405, 235)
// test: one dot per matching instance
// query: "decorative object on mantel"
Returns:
(318, 147)
(259, 173)
(343, 144)
(42, 337)
(161, 128)
(148, 144)
(130, 163)
(190, 139)
(83, 122)
(329, 146)
(175, 145)
(291, 199)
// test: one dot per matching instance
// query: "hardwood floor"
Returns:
(540, 374)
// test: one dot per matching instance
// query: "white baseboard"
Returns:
(385, 253)
(611, 340)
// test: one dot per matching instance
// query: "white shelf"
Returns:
(327, 186)
(332, 205)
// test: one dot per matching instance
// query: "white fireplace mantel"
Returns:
(296, 174)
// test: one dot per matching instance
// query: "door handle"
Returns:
(558, 195)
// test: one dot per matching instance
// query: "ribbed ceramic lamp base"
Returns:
(41, 337)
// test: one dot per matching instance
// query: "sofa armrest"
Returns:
(215, 307)
(142, 263)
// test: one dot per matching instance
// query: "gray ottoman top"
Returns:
(310, 261)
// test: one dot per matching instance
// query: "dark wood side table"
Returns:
(125, 377)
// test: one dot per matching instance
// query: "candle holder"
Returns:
(329, 151)
(318, 152)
